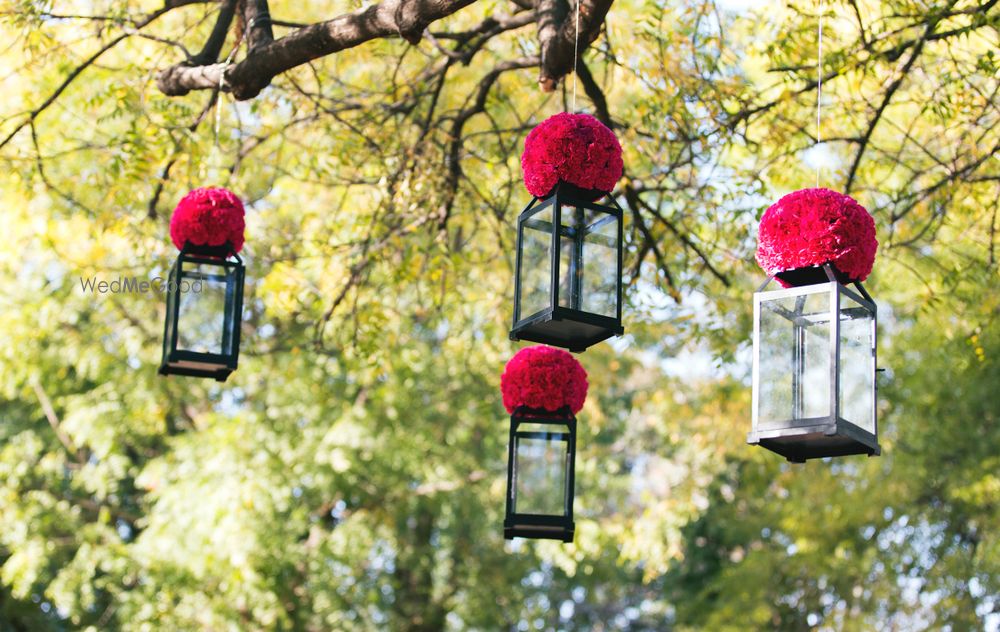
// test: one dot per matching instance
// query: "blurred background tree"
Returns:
(350, 475)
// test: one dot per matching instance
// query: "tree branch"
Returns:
(257, 20)
(50, 414)
(452, 160)
(76, 72)
(389, 18)
(595, 94)
(638, 202)
(550, 15)
(886, 100)
(213, 47)
(558, 46)
(890, 54)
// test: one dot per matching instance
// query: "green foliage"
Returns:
(350, 475)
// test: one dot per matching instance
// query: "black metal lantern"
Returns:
(201, 336)
(814, 367)
(540, 471)
(567, 288)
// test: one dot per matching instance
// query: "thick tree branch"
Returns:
(559, 46)
(389, 18)
(257, 21)
(550, 15)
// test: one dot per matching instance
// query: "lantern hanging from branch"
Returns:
(567, 286)
(542, 388)
(814, 356)
(201, 336)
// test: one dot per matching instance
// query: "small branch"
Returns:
(213, 47)
(649, 244)
(993, 230)
(595, 94)
(426, 489)
(453, 158)
(76, 72)
(684, 239)
(890, 54)
(165, 172)
(50, 414)
(886, 100)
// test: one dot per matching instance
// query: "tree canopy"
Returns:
(350, 475)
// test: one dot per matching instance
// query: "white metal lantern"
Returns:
(814, 367)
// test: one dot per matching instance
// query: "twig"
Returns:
(50, 414)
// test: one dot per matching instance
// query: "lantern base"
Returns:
(205, 365)
(538, 527)
(815, 438)
(567, 328)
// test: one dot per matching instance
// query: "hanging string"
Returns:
(576, 51)
(216, 149)
(819, 92)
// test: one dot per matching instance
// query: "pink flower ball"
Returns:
(573, 148)
(543, 377)
(812, 227)
(208, 217)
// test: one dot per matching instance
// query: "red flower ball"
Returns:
(812, 227)
(574, 148)
(208, 217)
(543, 377)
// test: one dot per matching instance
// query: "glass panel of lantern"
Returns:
(540, 475)
(567, 290)
(814, 372)
(201, 335)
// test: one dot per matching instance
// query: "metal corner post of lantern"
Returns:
(541, 474)
(567, 285)
(814, 367)
(201, 333)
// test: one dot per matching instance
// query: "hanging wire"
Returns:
(576, 51)
(819, 92)
(216, 149)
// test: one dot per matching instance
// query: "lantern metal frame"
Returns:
(801, 438)
(219, 366)
(568, 327)
(532, 525)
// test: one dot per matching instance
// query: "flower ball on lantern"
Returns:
(567, 287)
(205, 289)
(814, 361)
(543, 388)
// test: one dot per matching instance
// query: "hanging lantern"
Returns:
(814, 363)
(540, 472)
(542, 389)
(201, 335)
(567, 287)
